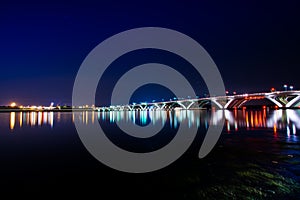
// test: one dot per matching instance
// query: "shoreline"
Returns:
(4, 110)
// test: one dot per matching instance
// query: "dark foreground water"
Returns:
(256, 157)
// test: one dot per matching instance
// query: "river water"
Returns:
(256, 157)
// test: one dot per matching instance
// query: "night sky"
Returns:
(255, 45)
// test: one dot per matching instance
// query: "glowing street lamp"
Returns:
(285, 87)
(291, 87)
(13, 104)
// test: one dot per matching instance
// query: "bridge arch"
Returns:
(252, 102)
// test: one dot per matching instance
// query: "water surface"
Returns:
(257, 156)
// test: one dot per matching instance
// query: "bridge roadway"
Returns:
(280, 99)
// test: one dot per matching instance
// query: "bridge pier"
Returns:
(275, 101)
(214, 101)
(293, 101)
(159, 107)
(187, 106)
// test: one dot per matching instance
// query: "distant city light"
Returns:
(13, 104)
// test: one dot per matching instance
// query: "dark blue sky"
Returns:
(255, 45)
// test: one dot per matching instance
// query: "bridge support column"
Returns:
(217, 103)
(181, 104)
(275, 101)
(159, 106)
(228, 103)
(294, 100)
(189, 106)
(130, 107)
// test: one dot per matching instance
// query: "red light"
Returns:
(276, 107)
(264, 107)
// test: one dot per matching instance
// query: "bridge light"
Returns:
(273, 89)
(234, 92)
(285, 87)
(227, 92)
(291, 87)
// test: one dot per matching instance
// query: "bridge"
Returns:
(277, 99)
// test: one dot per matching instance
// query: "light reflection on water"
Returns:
(257, 157)
(283, 120)
(31, 119)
